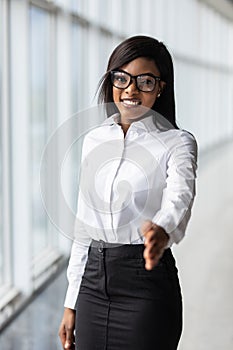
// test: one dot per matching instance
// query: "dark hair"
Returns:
(127, 51)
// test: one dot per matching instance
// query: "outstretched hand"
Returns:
(156, 240)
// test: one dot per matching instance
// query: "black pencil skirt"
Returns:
(123, 306)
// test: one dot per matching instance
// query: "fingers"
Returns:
(62, 334)
(152, 253)
(69, 343)
(66, 330)
(67, 337)
(150, 235)
(152, 256)
(156, 240)
(151, 263)
(154, 248)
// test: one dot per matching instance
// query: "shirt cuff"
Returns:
(174, 226)
(75, 271)
(71, 297)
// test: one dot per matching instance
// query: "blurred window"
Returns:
(76, 62)
(39, 75)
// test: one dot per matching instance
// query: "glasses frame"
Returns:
(133, 77)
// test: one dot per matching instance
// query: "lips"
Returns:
(131, 102)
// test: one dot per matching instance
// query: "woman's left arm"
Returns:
(169, 224)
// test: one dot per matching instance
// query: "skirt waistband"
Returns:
(117, 249)
(120, 250)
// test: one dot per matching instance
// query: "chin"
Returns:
(133, 113)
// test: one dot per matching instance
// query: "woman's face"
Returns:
(130, 101)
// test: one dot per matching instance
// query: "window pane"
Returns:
(76, 65)
(39, 51)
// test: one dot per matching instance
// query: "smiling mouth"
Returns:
(131, 102)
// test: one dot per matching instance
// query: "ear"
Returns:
(162, 86)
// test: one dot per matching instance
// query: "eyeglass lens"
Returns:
(144, 82)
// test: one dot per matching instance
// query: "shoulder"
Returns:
(184, 135)
(177, 144)
(180, 139)
(188, 140)
(183, 149)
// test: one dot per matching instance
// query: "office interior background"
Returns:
(52, 55)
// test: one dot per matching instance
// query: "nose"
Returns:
(132, 86)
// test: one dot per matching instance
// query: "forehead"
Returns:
(141, 65)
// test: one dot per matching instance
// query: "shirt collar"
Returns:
(113, 119)
(152, 122)
(146, 123)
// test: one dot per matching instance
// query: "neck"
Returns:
(124, 127)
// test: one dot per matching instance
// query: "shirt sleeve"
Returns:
(179, 193)
(77, 263)
(79, 252)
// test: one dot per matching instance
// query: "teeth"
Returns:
(131, 102)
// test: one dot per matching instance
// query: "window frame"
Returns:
(5, 154)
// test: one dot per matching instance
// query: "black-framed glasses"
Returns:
(144, 82)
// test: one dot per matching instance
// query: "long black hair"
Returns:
(127, 51)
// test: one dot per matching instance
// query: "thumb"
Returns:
(146, 226)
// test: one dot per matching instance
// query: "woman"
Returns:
(124, 291)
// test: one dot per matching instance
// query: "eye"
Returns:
(120, 78)
(147, 81)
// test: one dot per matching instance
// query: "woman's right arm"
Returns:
(76, 267)
(77, 263)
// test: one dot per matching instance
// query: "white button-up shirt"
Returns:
(147, 175)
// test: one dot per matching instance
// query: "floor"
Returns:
(36, 328)
(205, 264)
